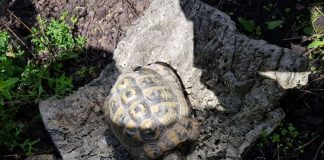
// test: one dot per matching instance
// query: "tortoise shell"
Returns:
(147, 111)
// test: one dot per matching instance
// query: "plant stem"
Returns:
(18, 19)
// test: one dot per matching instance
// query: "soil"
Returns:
(105, 24)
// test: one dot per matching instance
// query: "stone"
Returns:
(233, 83)
(42, 157)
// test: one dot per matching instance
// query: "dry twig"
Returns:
(318, 150)
(306, 144)
(18, 19)
(12, 32)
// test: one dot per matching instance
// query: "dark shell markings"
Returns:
(148, 111)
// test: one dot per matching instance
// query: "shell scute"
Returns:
(130, 94)
(147, 108)
(159, 94)
(139, 111)
(166, 113)
(150, 129)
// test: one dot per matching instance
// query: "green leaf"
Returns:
(248, 25)
(287, 10)
(4, 40)
(308, 30)
(74, 19)
(316, 44)
(5, 86)
(258, 31)
(64, 15)
(274, 24)
(81, 41)
(8, 83)
(63, 85)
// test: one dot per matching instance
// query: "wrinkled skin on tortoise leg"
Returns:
(173, 156)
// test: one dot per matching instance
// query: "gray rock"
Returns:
(233, 83)
(42, 157)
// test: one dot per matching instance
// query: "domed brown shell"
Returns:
(148, 112)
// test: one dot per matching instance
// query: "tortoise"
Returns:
(149, 114)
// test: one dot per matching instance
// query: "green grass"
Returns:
(28, 76)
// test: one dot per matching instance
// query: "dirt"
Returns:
(106, 22)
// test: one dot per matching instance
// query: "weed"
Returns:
(86, 71)
(25, 81)
(316, 54)
(4, 42)
(270, 7)
(54, 37)
(249, 25)
(317, 45)
(287, 10)
(287, 139)
(274, 24)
